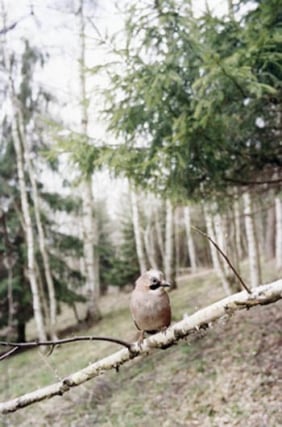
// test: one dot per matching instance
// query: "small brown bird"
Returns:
(149, 305)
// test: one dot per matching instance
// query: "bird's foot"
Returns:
(141, 338)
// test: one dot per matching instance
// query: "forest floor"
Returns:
(229, 375)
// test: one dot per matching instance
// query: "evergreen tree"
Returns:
(124, 265)
(189, 98)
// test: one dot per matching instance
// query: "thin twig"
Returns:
(52, 344)
(8, 353)
(262, 295)
(225, 257)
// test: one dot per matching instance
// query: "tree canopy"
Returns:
(196, 101)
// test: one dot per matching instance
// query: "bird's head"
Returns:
(152, 281)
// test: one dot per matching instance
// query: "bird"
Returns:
(149, 303)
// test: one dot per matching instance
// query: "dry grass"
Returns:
(228, 377)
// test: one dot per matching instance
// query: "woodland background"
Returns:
(167, 119)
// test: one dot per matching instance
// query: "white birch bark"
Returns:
(217, 264)
(28, 229)
(177, 249)
(149, 242)
(253, 254)
(90, 258)
(149, 232)
(268, 243)
(17, 133)
(90, 229)
(169, 258)
(220, 237)
(190, 239)
(237, 225)
(265, 294)
(8, 264)
(138, 233)
(159, 231)
(42, 246)
(278, 240)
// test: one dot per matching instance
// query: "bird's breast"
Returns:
(150, 311)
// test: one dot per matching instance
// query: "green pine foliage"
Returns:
(196, 100)
(123, 264)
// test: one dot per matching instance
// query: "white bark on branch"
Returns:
(261, 295)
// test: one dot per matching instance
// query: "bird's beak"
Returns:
(165, 285)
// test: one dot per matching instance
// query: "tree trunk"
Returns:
(18, 135)
(237, 226)
(217, 264)
(169, 259)
(177, 241)
(269, 246)
(90, 229)
(220, 229)
(253, 254)
(190, 239)
(90, 258)
(159, 233)
(138, 233)
(7, 262)
(42, 244)
(21, 336)
(29, 236)
(149, 242)
(278, 242)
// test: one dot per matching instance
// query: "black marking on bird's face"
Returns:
(155, 283)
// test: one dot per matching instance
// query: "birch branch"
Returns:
(262, 295)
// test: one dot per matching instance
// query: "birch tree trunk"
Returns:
(269, 241)
(149, 232)
(235, 247)
(237, 226)
(220, 237)
(41, 235)
(90, 258)
(177, 242)
(42, 247)
(159, 232)
(190, 240)
(27, 227)
(8, 264)
(217, 264)
(278, 241)
(138, 233)
(253, 255)
(90, 229)
(17, 135)
(169, 258)
(149, 242)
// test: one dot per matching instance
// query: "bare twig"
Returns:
(8, 353)
(17, 345)
(225, 257)
(261, 295)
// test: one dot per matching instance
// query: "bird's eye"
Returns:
(155, 283)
